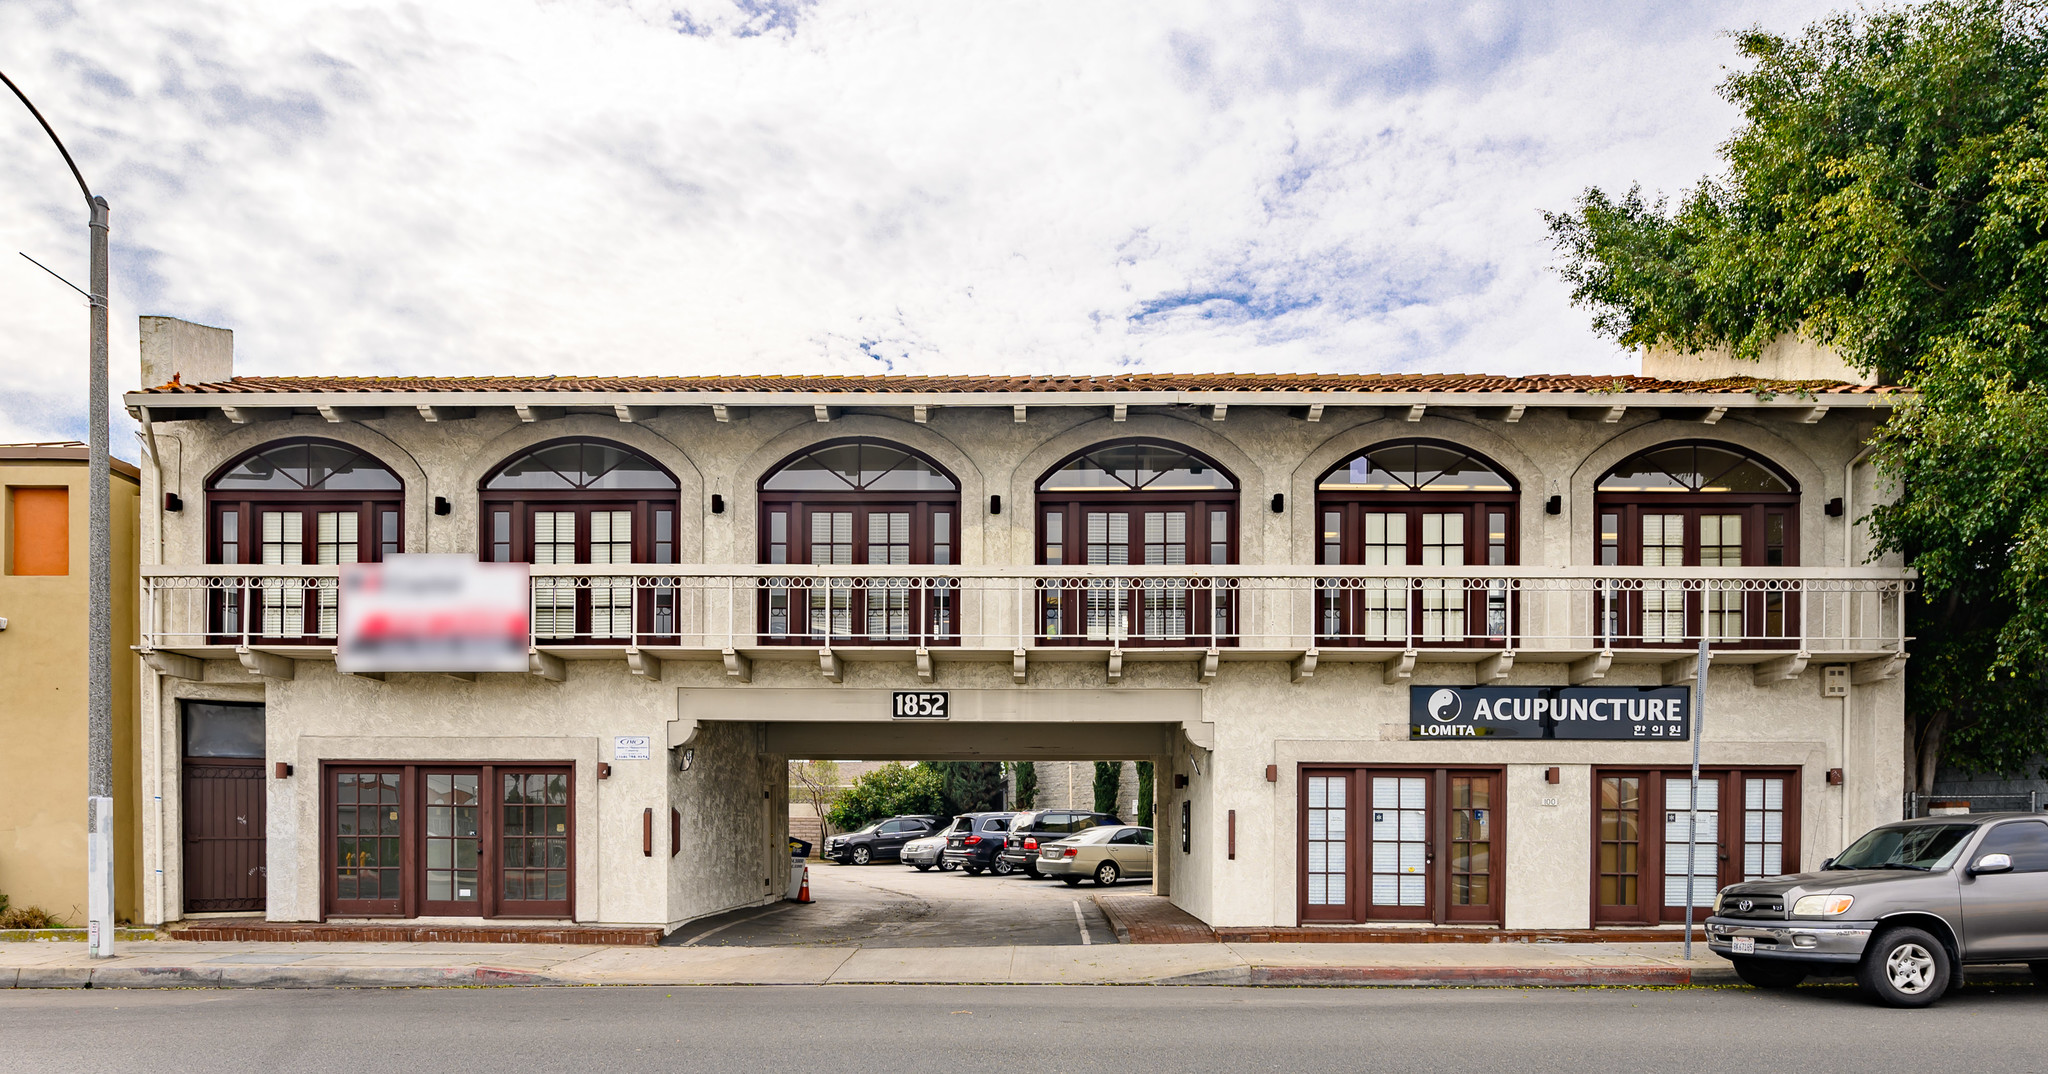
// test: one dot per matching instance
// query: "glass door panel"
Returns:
(283, 543)
(1705, 844)
(1763, 827)
(1473, 823)
(1165, 604)
(1663, 601)
(888, 600)
(1443, 600)
(611, 602)
(1400, 846)
(453, 844)
(1383, 609)
(554, 602)
(1108, 544)
(1326, 842)
(365, 824)
(1619, 863)
(534, 866)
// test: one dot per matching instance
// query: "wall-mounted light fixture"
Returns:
(1279, 503)
(442, 506)
(1834, 508)
(1554, 506)
(995, 505)
(1834, 777)
(1553, 775)
(717, 504)
(604, 771)
(1180, 780)
(284, 770)
(172, 503)
(1272, 773)
(689, 758)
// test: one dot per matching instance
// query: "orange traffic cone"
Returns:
(803, 891)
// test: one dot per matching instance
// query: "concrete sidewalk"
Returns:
(187, 964)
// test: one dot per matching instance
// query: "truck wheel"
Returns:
(862, 855)
(1760, 973)
(1904, 967)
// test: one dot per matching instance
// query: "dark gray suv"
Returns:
(1902, 910)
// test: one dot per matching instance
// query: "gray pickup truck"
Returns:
(1903, 909)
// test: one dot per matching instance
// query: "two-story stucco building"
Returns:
(1403, 648)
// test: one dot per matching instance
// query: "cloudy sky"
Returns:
(708, 186)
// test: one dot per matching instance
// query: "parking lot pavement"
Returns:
(891, 905)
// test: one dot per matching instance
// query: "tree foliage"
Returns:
(1027, 784)
(1145, 792)
(1886, 194)
(886, 792)
(816, 782)
(1109, 783)
(969, 786)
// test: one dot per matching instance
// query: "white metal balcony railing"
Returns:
(1527, 609)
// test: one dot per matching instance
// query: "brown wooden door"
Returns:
(224, 862)
(1748, 830)
(1401, 844)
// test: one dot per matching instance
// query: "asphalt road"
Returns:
(891, 905)
(1042, 1029)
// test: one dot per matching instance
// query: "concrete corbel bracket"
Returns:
(1870, 671)
(1496, 667)
(924, 665)
(644, 664)
(268, 665)
(1018, 666)
(1116, 665)
(546, 665)
(831, 666)
(1200, 735)
(1304, 667)
(737, 668)
(1783, 669)
(175, 665)
(1400, 669)
(1210, 660)
(1682, 671)
(681, 732)
(1592, 667)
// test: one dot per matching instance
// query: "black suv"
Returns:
(977, 843)
(1020, 850)
(881, 841)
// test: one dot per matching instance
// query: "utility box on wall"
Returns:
(1834, 680)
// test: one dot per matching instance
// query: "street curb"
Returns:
(275, 977)
(1474, 976)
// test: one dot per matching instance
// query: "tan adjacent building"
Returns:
(44, 489)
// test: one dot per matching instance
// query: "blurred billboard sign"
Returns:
(433, 613)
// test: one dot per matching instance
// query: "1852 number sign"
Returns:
(919, 705)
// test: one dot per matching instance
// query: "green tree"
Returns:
(969, 786)
(1886, 194)
(1109, 780)
(816, 782)
(886, 792)
(1027, 784)
(1144, 818)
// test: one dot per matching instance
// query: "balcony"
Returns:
(1586, 617)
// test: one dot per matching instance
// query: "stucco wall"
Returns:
(43, 706)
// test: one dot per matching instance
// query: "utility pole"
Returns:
(99, 657)
(1692, 822)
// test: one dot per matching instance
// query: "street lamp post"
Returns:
(99, 659)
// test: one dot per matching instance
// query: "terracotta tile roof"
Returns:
(976, 383)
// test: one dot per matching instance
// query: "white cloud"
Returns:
(710, 186)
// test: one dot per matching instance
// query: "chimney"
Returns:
(192, 353)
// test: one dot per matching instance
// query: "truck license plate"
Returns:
(1742, 945)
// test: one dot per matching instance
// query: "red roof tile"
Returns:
(975, 383)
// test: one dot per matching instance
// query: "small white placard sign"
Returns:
(630, 748)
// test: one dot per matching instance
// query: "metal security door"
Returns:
(225, 864)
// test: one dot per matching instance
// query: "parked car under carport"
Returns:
(1105, 854)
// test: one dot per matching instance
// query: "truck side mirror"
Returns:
(1992, 863)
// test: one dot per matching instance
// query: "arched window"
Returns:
(590, 501)
(1417, 503)
(859, 502)
(1697, 504)
(1136, 502)
(298, 503)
